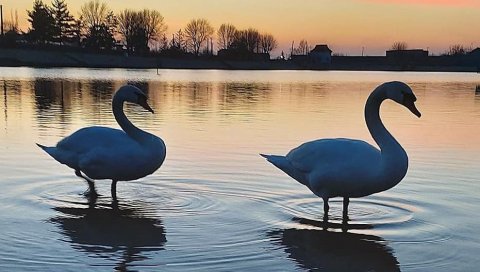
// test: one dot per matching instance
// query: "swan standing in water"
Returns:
(107, 153)
(352, 168)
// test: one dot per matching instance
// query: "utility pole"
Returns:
(211, 45)
(1, 19)
(291, 52)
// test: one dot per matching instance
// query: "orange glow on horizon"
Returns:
(465, 3)
(346, 26)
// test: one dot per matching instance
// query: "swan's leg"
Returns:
(91, 184)
(346, 201)
(114, 189)
(326, 207)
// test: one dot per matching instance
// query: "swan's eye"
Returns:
(409, 97)
(141, 97)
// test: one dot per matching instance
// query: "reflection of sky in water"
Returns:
(220, 205)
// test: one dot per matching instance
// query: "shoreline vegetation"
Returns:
(100, 38)
(16, 57)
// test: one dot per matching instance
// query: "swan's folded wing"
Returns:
(331, 153)
(119, 164)
(86, 139)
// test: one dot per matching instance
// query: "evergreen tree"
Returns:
(99, 38)
(64, 22)
(42, 23)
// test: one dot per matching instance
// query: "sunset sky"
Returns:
(345, 25)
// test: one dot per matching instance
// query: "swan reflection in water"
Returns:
(324, 250)
(107, 229)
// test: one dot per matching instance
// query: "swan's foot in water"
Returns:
(91, 184)
(92, 199)
(346, 201)
(113, 189)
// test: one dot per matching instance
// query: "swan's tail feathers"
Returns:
(42, 147)
(50, 150)
(265, 156)
(284, 164)
(59, 155)
(273, 159)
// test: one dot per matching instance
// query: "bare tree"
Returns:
(399, 46)
(267, 42)
(197, 32)
(127, 25)
(140, 28)
(302, 49)
(178, 41)
(226, 35)
(12, 24)
(154, 24)
(94, 13)
(99, 25)
(457, 49)
(248, 40)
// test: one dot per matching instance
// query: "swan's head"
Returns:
(133, 94)
(402, 94)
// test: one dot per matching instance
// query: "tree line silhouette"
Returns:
(144, 32)
(137, 32)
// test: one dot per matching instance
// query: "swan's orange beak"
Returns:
(409, 102)
(145, 105)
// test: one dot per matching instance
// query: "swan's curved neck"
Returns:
(122, 120)
(394, 162)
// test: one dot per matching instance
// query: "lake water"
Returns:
(215, 204)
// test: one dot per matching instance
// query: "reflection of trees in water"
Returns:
(322, 250)
(91, 100)
(241, 95)
(10, 88)
(477, 94)
(100, 90)
(199, 98)
(123, 232)
(95, 100)
(53, 93)
(53, 100)
(45, 94)
(196, 99)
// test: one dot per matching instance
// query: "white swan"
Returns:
(352, 168)
(107, 153)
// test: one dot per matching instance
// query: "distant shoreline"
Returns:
(50, 59)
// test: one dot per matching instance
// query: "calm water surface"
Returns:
(215, 205)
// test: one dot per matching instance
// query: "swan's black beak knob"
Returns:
(409, 102)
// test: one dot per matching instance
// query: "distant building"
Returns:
(475, 55)
(473, 58)
(475, 52)
(321, 54)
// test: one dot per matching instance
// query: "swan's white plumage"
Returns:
(348, 167)
(107, 153)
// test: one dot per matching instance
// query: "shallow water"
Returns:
(215, 204)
